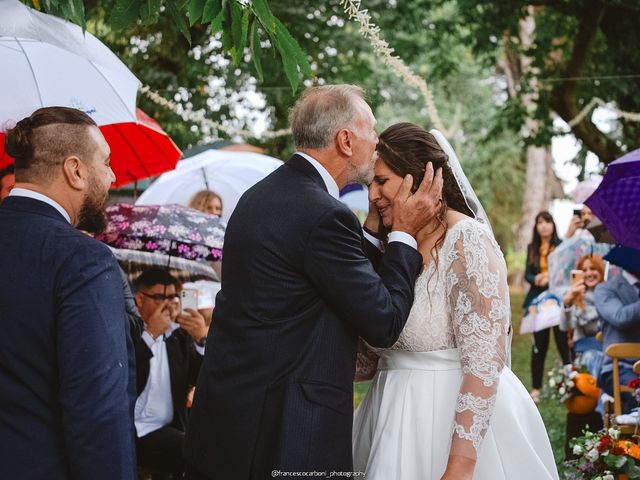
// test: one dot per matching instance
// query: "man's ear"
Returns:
(75, 172)
(344, 142)
(137, 299)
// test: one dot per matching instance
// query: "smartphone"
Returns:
(189, 299)
(577, 212)
(576, 276)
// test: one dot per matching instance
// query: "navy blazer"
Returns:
(618, 304)
(275, 390)
(67, 373)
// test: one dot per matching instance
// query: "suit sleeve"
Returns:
(92, 329)
(375, 305)
(613, 311)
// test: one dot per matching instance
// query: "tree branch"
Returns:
(563, 99)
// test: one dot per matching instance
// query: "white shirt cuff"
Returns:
(199, 349)
(404, 238)
(373, 240)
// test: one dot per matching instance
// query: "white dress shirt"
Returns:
(23, 192)
(154, 406)
(334, 191)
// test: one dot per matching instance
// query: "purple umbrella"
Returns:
(616, 202)
(172, 230)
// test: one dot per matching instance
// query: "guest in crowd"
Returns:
(545, 240)
(581, 318)
(67, 377)
(207, 201)
(618, 304)
(7, 181)
(168, 355)
(579, 223)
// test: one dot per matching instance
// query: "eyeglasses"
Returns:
(158, 297)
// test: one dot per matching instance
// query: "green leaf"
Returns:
(178, 18)
(289, 64)
(78, 13)
(256, 50)
(124, 13)
(195, 9)
(263, 12)
(293, 48)
(150, 11)
(212, 10)
(236, 33)
(216, 24)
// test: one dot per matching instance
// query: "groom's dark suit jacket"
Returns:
(275, 390)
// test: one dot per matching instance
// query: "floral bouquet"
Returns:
(575, 387)
(603, 456)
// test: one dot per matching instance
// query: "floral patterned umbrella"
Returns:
(169, 229)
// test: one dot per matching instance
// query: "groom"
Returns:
(275, 391)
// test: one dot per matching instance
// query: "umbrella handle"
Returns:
(169, 256)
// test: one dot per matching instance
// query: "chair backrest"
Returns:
(617, 351)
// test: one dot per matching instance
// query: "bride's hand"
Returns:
(459, 468)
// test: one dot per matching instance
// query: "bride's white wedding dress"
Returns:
(445, 386)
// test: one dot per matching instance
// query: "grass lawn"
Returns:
(552, 411)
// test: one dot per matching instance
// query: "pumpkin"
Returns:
(630, 448)
(581, 404)
(587, 385)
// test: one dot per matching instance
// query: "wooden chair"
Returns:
(619, 351)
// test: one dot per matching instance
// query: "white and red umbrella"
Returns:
(51, 62)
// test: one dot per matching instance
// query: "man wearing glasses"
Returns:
(168, 358)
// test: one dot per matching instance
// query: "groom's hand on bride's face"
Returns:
(411, 212)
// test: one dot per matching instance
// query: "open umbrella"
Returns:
(167, 229)
(134, 262)
(616, 202)
(565, 257)
(50, 62)
(584, 189)
(139, 149)
(228, 173)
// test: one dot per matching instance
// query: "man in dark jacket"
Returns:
(275, 390)
(66, 357)
(168, 357)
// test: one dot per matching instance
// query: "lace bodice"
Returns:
(463, 302)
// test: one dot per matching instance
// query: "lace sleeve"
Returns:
(366, 362)
(479, 298)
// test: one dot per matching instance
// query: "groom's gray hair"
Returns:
(321, 111)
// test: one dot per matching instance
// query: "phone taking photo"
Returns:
(576, 276)
(188, 299)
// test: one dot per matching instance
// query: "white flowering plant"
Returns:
(603, 456)
(560, 384)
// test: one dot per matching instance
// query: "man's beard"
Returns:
(91, 217)
(362, 174)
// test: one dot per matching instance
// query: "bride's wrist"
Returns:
(459, 468)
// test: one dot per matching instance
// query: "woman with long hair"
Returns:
(545, 240)
(434, 410)
(581, 317)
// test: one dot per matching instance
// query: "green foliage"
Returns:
(229, 17)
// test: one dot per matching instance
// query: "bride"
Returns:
(443, 403)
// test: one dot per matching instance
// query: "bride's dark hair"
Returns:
(406, 148)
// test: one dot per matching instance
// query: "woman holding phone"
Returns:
(580, 314)
(545, 240)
